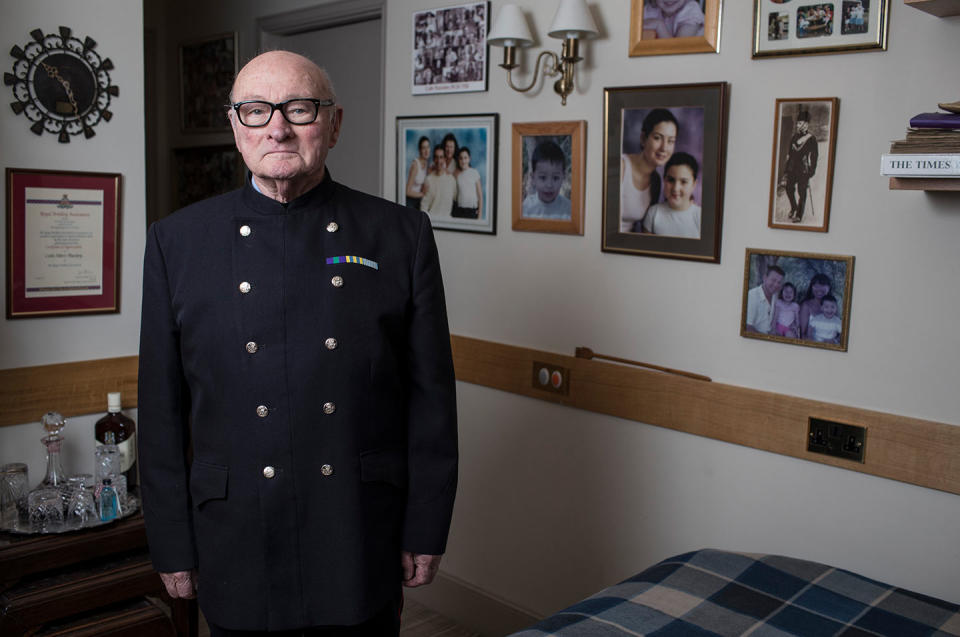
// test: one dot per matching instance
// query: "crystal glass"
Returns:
(13, 494)
(82, 507)
(53, 423)
(107, 462)
(45, 509)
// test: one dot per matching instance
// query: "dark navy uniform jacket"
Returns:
(302, 351)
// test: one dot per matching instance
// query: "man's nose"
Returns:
(278, 127)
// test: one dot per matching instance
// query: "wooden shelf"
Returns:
(921, 183)
(939, 8)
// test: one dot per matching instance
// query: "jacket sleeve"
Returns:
(432, 410)
(163, 408)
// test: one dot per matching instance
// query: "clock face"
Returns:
(61, 84)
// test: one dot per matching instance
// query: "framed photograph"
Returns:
(204, 171)
(447, 167)
(666, 27)
(808, 27)
(207, 69)
(548, 176)
(801, 176)
(797, 297)
(63, 243)
(450, 49)
(664, 149)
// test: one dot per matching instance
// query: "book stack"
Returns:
(931, 148)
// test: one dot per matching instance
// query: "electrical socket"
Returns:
(551, 378)
(837, 439)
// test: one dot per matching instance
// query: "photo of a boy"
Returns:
(548, 171)
(826, 326)
(678, 216)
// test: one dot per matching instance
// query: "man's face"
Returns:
(280, 150)
(772, 283)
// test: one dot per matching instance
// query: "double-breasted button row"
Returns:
(329, 408)
(262, 411)
(332, 226)
(337, 281)
(245, 230)
(245, 287)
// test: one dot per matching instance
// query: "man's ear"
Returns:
(335, 121)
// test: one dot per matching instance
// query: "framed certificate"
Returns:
(63, 243)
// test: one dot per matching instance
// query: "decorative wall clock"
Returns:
(61, 84)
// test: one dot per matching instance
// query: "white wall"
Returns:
(555, 503)
(118, 147)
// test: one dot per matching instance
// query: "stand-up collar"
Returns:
(263, 204)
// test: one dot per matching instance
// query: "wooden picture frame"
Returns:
(563, 181)
(813, 27)
(801, 172)
(63, 243)
(815, 279)
(450, 49)
(200, 172)
(208, 67)
(650, 34)
(478, 133)
(686, 120)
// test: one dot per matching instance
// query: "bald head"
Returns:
(266, 63)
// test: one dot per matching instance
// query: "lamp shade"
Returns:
(573, 20)
(510, 28)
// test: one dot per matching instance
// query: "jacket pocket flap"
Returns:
(208, 482)
(384, 465)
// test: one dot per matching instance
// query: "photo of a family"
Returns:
(797, 298)
(450, 49)
(662, 150)
(446, 168)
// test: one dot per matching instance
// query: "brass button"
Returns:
(332, 226)
(329, 408)
(252, 347)
(262, 411)
(337, 281)
(244, 287)
(269, 472)
(327, 469)
(331, 343)
(244, 231)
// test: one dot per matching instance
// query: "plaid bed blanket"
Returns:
(709, 592)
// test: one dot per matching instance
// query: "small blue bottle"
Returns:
(108, 503)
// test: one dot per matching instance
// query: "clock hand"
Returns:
(54, 74)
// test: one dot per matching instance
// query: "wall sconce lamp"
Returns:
(571, 23)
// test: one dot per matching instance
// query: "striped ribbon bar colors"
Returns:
(352, 259)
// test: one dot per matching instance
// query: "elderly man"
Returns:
(297, 409)
(762, 299)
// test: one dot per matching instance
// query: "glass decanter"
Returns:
(53, 423)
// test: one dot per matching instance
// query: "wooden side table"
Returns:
(86, 582)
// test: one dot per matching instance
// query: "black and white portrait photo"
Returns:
(802, 172)
(450, 49)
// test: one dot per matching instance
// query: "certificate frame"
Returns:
(72, 239)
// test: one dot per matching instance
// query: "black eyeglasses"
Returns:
(298, 111)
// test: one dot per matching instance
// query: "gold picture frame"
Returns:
(644, 40)
(559, 140)
(816, 279)
(815, 27)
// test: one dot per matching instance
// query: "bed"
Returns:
(710, 592)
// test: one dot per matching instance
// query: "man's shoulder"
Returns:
(201, 212)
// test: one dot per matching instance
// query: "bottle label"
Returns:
(128, 452)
